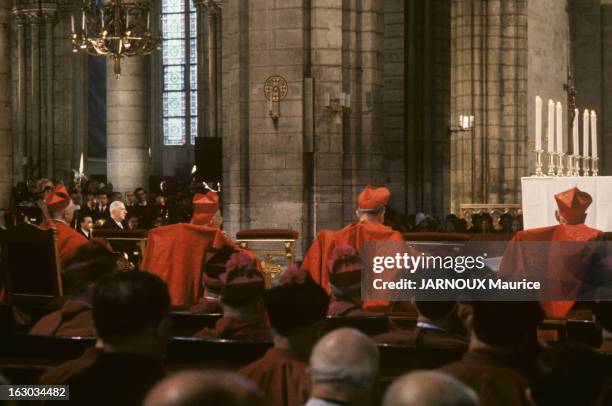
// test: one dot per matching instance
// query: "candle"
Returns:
(559, 128)
(102, 17)
(538, 124)
(575, 133)
(148, 21)
(585, 134)
(81, 168)
(83, 20)
(594, 134)
(72, 23)
(551, 126)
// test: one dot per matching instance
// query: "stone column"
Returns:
(489, 81)
(5, 106)
(49, 152)
(20, 133)
(34, 138)
(207, 66)
(126, 112)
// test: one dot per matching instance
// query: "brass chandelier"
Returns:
(114, 28)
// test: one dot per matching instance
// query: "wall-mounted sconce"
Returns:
(466, 123)
(275, 90)
(337, 105)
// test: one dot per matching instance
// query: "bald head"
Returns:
(191, 388)
(429, 388)
(345, 356)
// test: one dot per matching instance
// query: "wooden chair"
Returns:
(271, 239)
(30, 263)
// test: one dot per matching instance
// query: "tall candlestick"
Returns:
(575, 140)
(585, 134)
(551, 126)
(594, 134)
(538, 123)
(559, 128)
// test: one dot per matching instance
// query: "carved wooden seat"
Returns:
(271, 242)
(31, 267)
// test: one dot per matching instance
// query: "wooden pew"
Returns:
(185, 324)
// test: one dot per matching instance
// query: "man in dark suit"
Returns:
(85, 224)
(131, 317)
(117, 216)
(101, 211)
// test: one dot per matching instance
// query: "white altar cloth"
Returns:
(539, 203)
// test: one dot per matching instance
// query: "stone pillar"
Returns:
(209, 11)
(49, 152)
(34, 117)
(19, 111)
(127, 142)
(488, 80)
(5, 106)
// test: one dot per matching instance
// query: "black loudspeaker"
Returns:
(209, 159)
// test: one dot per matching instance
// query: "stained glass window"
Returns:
(179, 71)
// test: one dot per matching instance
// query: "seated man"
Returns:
(438, 325)
(242, 288)
(563, 265)
(61, 210)
(117, 216)
(502, 343)
(368, 227)
(190, 388)
(429, 388)
(215, 263)
(344, 369)
(131, 312)
(295, 307)
(345, 283)
(177, 252)
(91, 262)
(568, 375)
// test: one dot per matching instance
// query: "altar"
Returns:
(539, 203)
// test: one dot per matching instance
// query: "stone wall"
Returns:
(5, 106)
(489, 81)
(605, 120)
(548, 64)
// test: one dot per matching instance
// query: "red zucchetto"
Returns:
(58, 200)
(242, 283)
(372, 198)
(573, 204)
(204, 207)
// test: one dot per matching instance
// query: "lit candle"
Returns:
(72, 23)
(538, 123)
(594, 133)
(559, 128)
(585, 134)
(551, 126)
(575, 140)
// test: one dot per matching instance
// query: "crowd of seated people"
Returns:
(171, 203)
(129, 313)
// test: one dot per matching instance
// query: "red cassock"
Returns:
(176, 254)
(73, 320)
(68, 239)
(566, 263)
(321, 250)
(281, 376)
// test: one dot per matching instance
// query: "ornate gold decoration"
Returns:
(271, 270)
(275, 88)
(115, 28)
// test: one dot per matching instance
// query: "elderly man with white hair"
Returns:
(429, 388)
(343, 369)
(117, 215)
